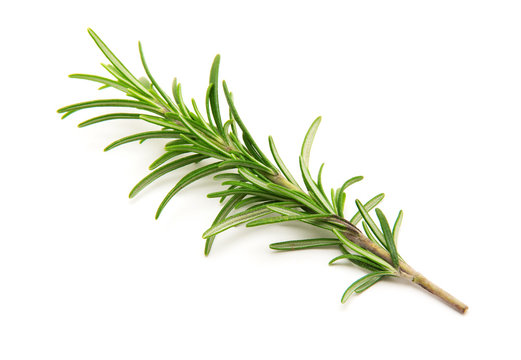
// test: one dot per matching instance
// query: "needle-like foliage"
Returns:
(257, 191)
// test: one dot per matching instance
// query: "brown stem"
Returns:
(408, 272)
(439, 293)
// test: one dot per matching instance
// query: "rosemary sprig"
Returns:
(257, 191)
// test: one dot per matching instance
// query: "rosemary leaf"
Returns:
(304, 244)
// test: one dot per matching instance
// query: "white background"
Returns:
(422, 98)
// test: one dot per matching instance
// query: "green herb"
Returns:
(258, 191)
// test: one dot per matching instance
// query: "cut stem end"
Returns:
(439, 293)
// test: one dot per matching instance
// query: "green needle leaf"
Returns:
(188, 179)
(207, 104)
(142, 136)
(213, 91)
(227, 176)
(235, 220)
(341, 204)
(164, 122)
(360, 261)
(244, 190)
(370, 205)
(121, 79)
(194, 149)
(367, 284)
(319, 179)
(163, 158)
(388, 236)
(249, 165)
(251, 199)
(250, 143)
(369, 233)
(308, 140)
(114, 116)
(340, 194)
(178, 97)
(371, 223)
(313, 188)
(362, 282)
(153, 81)
(115, 61)
(174, 165)
(396, 227)
(304, 244)
(226, 209)
(67, 110)
(278, 219)
(280, 163)
(350, 182)
(101, 80)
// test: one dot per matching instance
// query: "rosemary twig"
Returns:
(258, 191)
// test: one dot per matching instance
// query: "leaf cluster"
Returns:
(257, 191)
